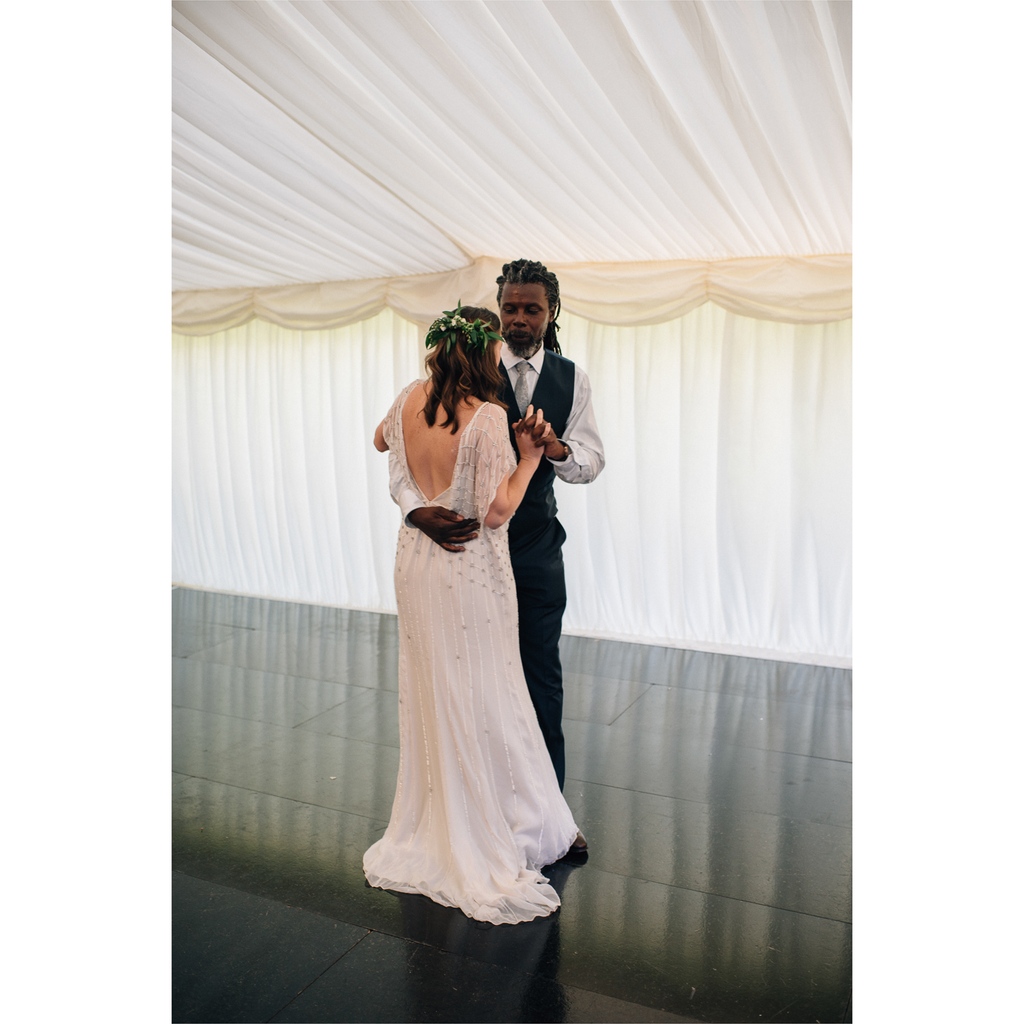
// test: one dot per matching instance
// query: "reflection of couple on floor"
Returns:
(478, 807)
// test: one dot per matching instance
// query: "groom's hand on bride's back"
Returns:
(445, 527)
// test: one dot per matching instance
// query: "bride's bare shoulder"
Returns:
(415, 396)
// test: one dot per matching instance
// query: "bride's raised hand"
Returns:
(531, 433)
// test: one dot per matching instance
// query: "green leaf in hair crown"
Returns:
(447, 328)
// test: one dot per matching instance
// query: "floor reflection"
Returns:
(531, 950)
(714, 791)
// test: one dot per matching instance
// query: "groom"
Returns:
(536, 374)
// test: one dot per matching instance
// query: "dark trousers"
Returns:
(540, 586)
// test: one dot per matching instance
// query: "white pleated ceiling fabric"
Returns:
(335, 142)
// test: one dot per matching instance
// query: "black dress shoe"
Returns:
(577, 852)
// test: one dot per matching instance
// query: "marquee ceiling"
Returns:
(317, 142)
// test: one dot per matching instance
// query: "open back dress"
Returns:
(477, 810)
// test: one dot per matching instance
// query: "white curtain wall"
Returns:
(722, 521)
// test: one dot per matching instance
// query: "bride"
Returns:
(477, 810)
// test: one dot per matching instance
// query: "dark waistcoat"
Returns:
(554, 396)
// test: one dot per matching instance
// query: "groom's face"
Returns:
(524, 317)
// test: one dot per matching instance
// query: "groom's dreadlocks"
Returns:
(531, 272)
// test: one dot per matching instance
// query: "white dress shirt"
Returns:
(586, 452)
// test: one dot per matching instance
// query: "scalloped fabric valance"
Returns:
(785, 289)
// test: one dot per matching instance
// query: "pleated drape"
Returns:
(722, 521)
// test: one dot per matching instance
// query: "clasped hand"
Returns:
(534, 436)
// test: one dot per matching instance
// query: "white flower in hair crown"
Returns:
(447, 327)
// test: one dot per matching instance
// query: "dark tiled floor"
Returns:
(715, 793)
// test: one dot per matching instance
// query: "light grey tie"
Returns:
(522, 385)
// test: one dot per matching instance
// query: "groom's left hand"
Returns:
(543, 434)
(545, 437)
(537, 427)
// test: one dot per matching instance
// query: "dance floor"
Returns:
(715, 793)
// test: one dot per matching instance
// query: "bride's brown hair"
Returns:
(463, 371)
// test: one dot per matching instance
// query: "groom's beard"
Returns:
(522, 344)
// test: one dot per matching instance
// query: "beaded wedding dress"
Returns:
(477, 809)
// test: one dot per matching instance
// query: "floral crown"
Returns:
(447, 327)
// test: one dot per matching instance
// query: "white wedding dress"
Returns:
(477, 809)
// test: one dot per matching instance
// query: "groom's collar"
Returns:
(509, 358)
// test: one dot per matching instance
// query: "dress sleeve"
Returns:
(404, 491)
(393, 420)
(485, 459)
